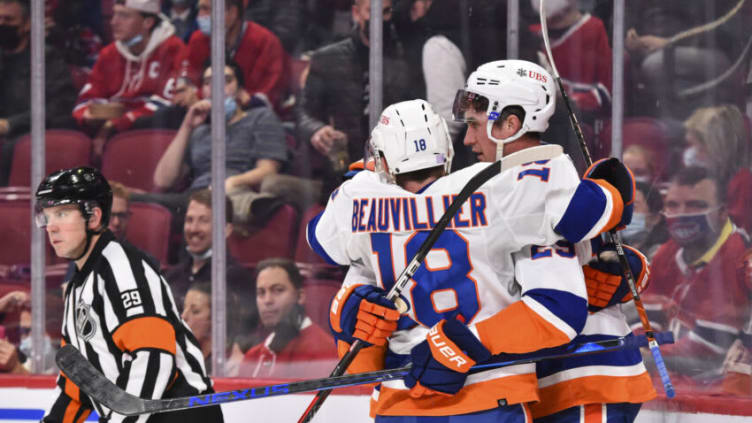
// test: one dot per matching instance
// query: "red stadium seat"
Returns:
(303, 252)
(149, 229)
(318, 295)
(63, 149)
(653, 134)
(275, 239)
(130, 157)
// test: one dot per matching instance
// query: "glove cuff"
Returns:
(455, 346)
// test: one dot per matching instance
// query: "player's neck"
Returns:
(80, 262)
(416, 186)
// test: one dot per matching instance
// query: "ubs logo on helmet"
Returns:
(532, 75)
(384, 120)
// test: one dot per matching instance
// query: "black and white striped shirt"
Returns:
(120, 313)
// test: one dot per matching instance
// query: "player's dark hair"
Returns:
(203, 196)
(419, 175)
(293, 273)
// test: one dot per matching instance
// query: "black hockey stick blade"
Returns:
(101, 390)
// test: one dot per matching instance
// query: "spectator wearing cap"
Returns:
(134, 75)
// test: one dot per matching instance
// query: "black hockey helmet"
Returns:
(83, 186)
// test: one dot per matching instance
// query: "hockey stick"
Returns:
(101, 390)
(518, 158)
(613, 235)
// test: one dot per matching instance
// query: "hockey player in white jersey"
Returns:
(597, 388)
(498, 280)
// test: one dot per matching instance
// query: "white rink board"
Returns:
(22, 405)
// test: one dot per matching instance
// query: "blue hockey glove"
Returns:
(441, 362)
(362, 312)
(603, 276)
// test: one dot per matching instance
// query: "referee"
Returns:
(119, 311)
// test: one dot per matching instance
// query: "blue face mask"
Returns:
(231, 106)
(634, 231)
(204, 24)
(133, 41)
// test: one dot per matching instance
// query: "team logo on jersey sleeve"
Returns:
(85, 325)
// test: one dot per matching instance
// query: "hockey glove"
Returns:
(603, 276)
(362, 312)
(441, 362)
(620, 177)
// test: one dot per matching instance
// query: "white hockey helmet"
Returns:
(496, 85)
(410, 136)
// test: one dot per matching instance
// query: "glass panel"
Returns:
(126, 92)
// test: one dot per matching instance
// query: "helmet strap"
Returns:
(499, 142)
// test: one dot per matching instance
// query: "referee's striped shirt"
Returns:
(119, 312)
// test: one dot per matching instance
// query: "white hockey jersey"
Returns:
(499, 267)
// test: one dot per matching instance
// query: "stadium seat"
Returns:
(303, 252)
(130, 157)
(275, 239)
(149, 229)
(318, 296)
(63, 149)
(658, 136)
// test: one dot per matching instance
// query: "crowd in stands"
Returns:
(297, 113)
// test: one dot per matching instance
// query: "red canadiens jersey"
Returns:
(583, 58)
(259, 53)
(705, 303)
(142, 83)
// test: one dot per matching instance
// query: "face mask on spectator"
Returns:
(693, 157)
(553, 7)
(134, 40)
(9, 37)
(635, 231)
(688, 228)
(204, 24)
(230, 107)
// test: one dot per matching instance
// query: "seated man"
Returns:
(134, 75)
(195, 266)
(696, 289)
(258, 52)
(255, 149)
(120, 213)
(296, 347)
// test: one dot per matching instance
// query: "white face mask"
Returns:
(553, 7)
(633, 232)
(693, 157)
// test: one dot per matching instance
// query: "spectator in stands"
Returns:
(195, 266)
(696, 289)
(182, 14)
(15, 358)
(134, 75)
(296, 347)
(718, 139)
(255, 149)
(24, 346)
(641, 162)
(579, 44)
(15, 81)
(647, 231)
(197, 315)
(430, 30)
(120, 213)
(674, 53)
(284, 18)
(76, 29)
(333, 111)
(257, 51)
